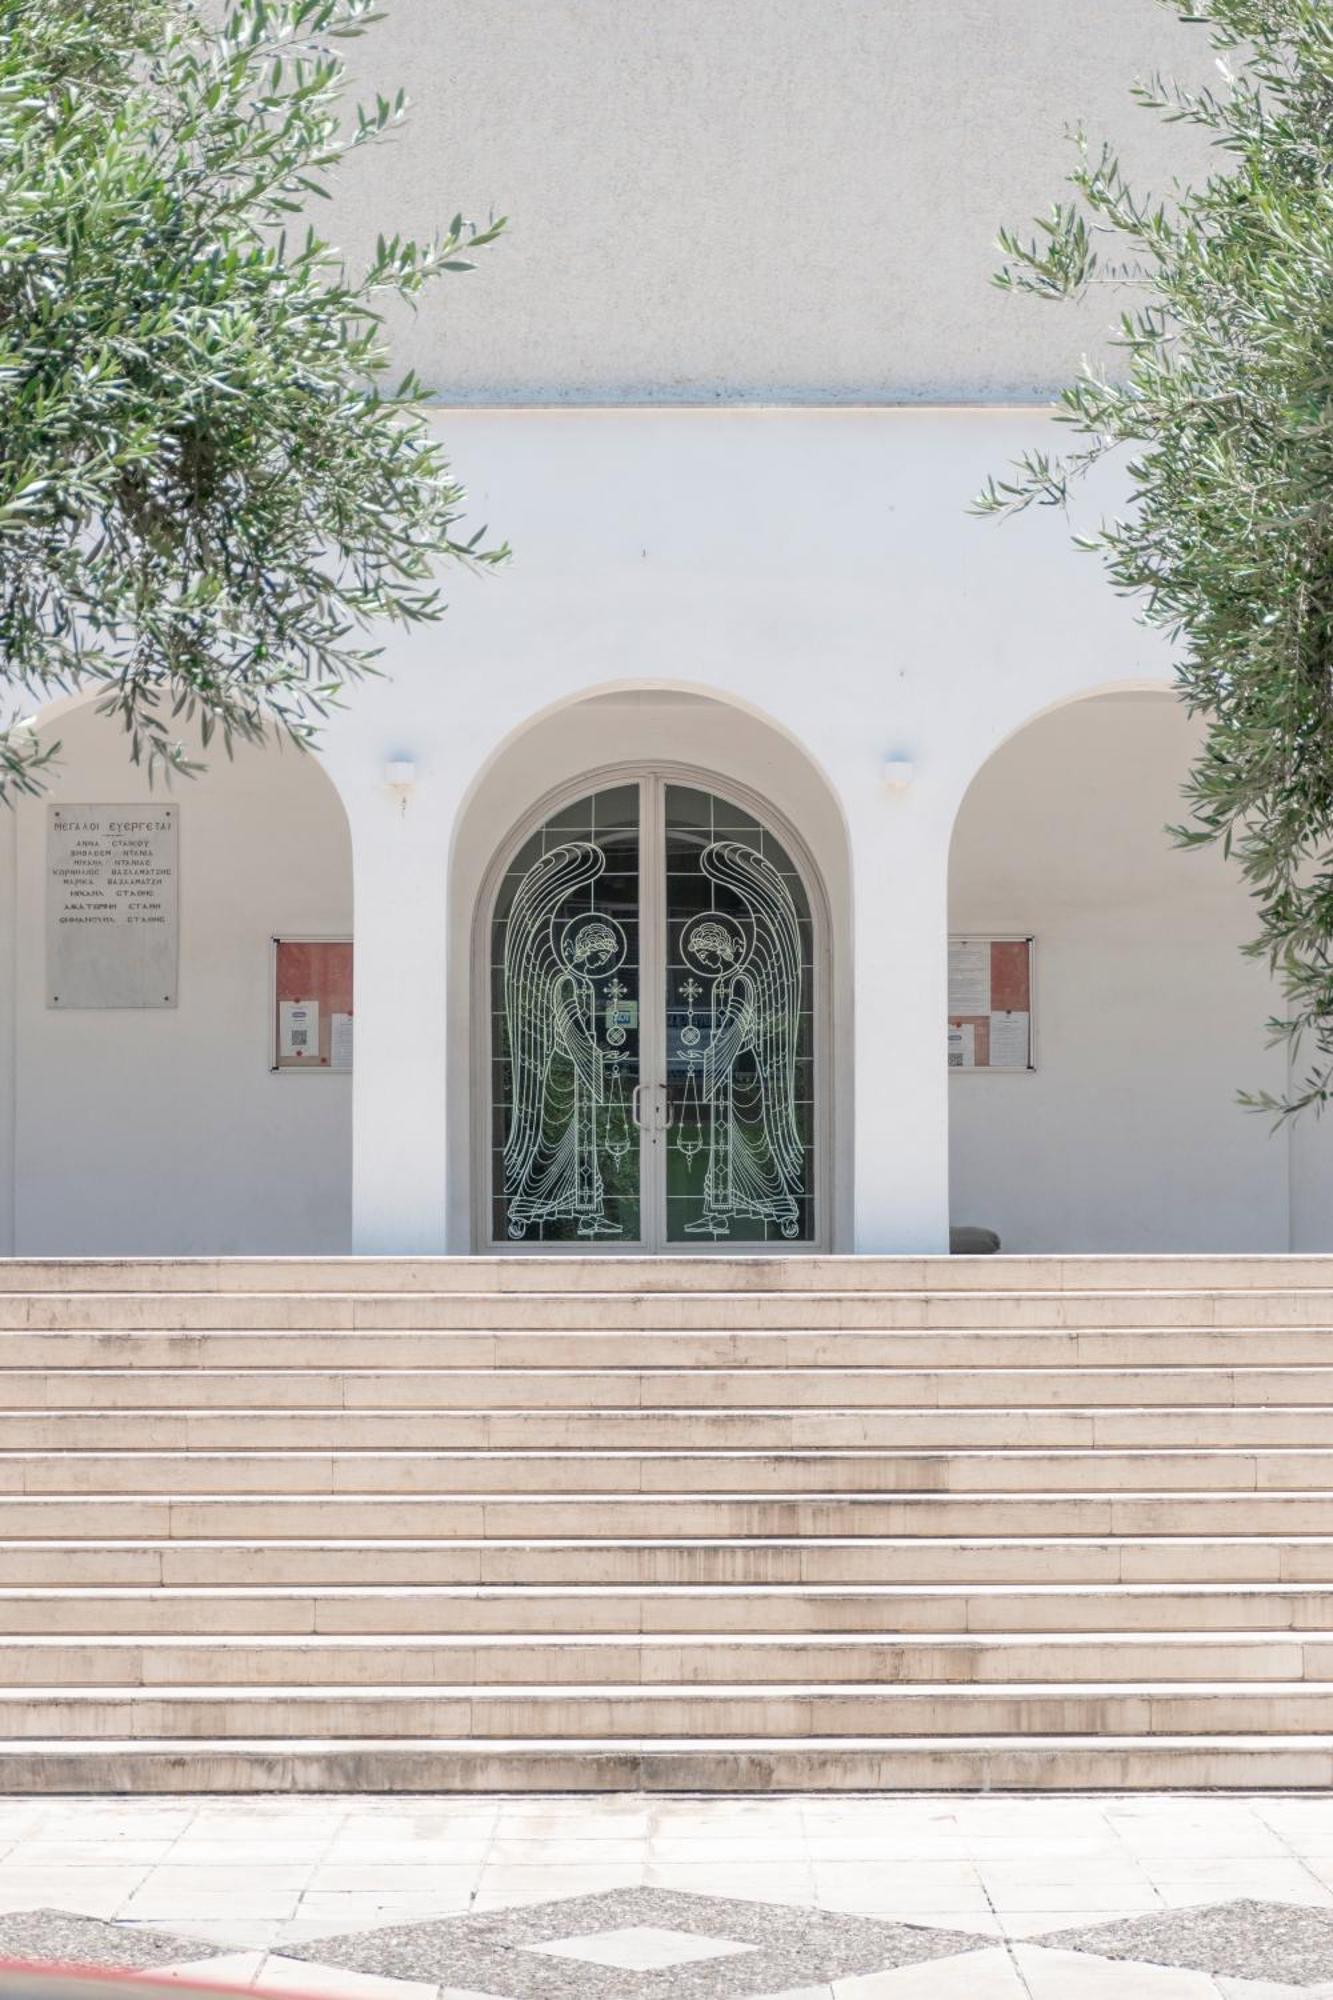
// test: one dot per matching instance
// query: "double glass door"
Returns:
(652, 1059)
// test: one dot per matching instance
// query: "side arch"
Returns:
(1147, 1019)
(165, 1131)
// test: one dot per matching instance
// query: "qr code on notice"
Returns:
(300, 1038)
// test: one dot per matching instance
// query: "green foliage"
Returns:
(207, 488)
(1224, 401)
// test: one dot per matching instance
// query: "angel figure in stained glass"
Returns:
(755, 1158)
(562, 1080)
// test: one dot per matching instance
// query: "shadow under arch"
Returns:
(613, 733)
(50, 716)
(1131, 687)
(165, 1131)
(1125, 1136)
(638, 693)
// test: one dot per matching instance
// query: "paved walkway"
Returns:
(633, 1898)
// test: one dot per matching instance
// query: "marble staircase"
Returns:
(724, 1523)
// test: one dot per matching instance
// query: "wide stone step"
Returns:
(1235, 1559)
(802, 1764)
(750, 1270)
(661, 1430)
(940, 1351)
(679, 1388)
(681, 1308)
(459, 1609)
(572, 1658)
(508, 1517)
(1024, 1709)
(409, 1471)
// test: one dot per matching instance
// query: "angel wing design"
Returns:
(755, 1152)
(551, 954)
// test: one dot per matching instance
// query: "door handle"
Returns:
(666, 1117)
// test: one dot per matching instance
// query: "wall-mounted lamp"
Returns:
(897, 773)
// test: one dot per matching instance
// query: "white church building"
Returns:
(771, 854)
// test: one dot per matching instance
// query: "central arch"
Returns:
(655, 988)
(652, 1010)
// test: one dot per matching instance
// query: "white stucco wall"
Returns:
(815, 567)
(731, 207)
(163, 1130)
(1148, 1019)
(811, 581)
(756, 200)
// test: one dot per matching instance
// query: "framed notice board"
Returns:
(311, 1026)
(990, 1004)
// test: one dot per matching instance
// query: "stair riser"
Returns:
(1046, 1765)
(747, 1271)
(578, 1661)
(958, 1355)
(201, 1565)
(628, 1310)
(651, 1430)
(998, 1391)
(345, 1516)
(774, 1712)
(416, 1611)
(94, 1474)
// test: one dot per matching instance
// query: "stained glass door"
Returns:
(652, 1029)
(740, 1143)
(565, 1030)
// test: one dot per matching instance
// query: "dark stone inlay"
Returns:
(1286, 1943)
(792, 1948)
(58, 1937)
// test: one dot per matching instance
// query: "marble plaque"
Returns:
(111, 906)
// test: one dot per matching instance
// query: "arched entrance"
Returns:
(652, 998)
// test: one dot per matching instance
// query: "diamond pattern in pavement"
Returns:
(501, 1952)
(57, 1937)
(1284, 1943)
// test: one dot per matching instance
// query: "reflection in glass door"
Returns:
(652, 1029)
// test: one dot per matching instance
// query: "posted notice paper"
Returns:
(340, 1042)
(969, 975)
(1010, 1040)
(298, 1030)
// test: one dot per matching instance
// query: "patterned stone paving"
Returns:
(681, 1899)
(60, 1938)
(1244, 1940)
(508, 1952)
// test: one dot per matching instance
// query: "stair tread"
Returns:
(503, 1592)
(517, 1641)
(520, 1691)
(908, 1496)
(617, 1745)
(739, 1543)
(835, 1453)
